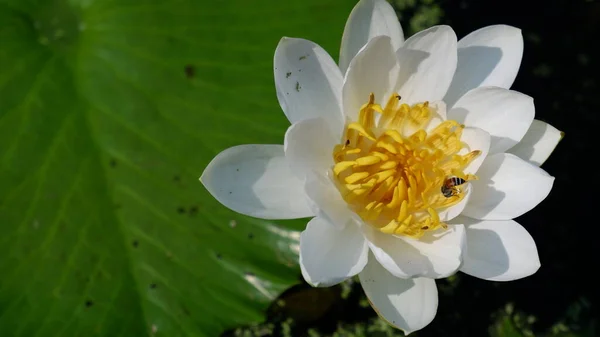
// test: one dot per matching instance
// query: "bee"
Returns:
(450, 186)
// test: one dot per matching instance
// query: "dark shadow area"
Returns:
(481, 243)
(466, 56)
(415, 57)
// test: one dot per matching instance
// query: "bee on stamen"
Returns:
(450, 186)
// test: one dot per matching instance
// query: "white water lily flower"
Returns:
(412, 157)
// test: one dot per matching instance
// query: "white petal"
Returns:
(308, 82)
(507, 188)
(368, 19)
(443, 248)
(327, 200)
(427, 64)
(409, 304)
(329, 255)
(490, 56)
(504, 113)
(256, 180)
(498, 250)
(538, 143)
(454, 211)
(476, 139)
(308, 146)
(435, 255)
(373, 70)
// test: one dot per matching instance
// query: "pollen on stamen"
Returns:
(390, 170)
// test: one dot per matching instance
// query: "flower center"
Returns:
(395, 175)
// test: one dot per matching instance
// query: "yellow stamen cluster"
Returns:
(391, 171)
